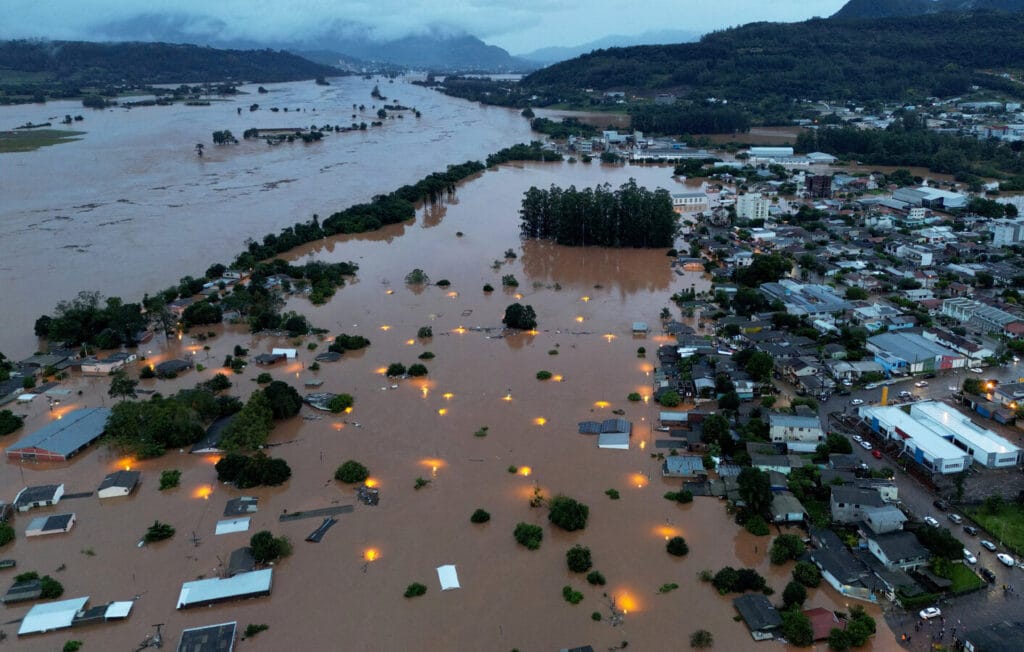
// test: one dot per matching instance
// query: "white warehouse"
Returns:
(988, 448)
(920, 441)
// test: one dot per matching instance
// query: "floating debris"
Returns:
(318, 534)
(319, 400)
(368, 495)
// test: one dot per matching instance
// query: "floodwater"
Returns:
(331, 595)
(131, 208)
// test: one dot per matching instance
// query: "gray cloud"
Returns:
(517, 25)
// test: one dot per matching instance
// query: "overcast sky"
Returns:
(516, 25)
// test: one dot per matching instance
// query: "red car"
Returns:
(877, 454)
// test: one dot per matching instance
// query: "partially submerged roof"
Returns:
(232, 525)
(55, 523)
(123, 479)
(241, 505)
(210, 638)
(38, 494)
(757, 612)
(210, 443)
(49, 616)
(616, 440)
(209, 591)
(241, 561)
(448, 577)
(66, 435)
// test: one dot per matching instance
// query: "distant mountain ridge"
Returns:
(555, 54)
(434, 49)
(902, 8)
(82, 63)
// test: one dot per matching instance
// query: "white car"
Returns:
(931, 521)
(953, 388)
(955, 518)
(976, 370)
(858, 438)
(921, 383)
(1006, 559)
(930, 612)
(988, 545)
(856, 401)
(866, 445)
(871, 386)
(969, 557)
(847, 382)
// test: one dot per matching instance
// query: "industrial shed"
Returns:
(211, 638)
(200, 593)
(59, 440)
(43, 525)
(49, 616)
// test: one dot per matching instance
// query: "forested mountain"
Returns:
(891, 8)
(862, 59)
(80, 63)
(554, 54)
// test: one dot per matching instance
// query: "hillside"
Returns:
(69, 65)
(863, 59)
(554, 54)
(894, 8)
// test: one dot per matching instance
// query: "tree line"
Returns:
(685, 118)
(630, 216)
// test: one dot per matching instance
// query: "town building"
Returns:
(118, 483)
(977, 315)
(988, 448)
(200, 593)
(210, 638)
(38, 496)
(1003, 636)
(819, 186)
(799, 433)
(752, 206)
(909, 353)
(898, 550)
(847, 504)
(63, 437)
(56, 524)
(1006, 232)
(815, 301)
(760, 616)
(918, 440)
(689, 202)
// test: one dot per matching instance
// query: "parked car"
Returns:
(858, 438)
(857, 401)
(866, 445)
(930, 612)
(941, 505)
(988, 545)
(921, 383)
(971, 530)
(956, 518)
(877, 454)
(871, 386)
(930, 520)
(976, 370)
(905, 394)
(987, 574)
(969, 557)
(1006, 559)
(953, 388)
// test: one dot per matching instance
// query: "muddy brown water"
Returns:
(329, 595)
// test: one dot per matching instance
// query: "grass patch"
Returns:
(29, 140)
(1005, 522)
(964, 579)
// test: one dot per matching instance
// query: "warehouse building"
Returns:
(988, 448)
(59, 440)
(919, 440)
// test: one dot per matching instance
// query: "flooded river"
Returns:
(346, 592)
(131, 208)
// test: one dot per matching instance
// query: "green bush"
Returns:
(425, 331)
(807, 574)
(415, 590)
(266, 547)
(253, 629)
(169, 479)
(634, 397)
(426, 355)
(158, 532)
(578, 559)
(6, 534)
(351, 472)
(668, 587)
(9, 422)
(72, 646)
(571, 596)
(552, 351)
(612, 493)
(50, 588)
(509, 281)
(786, 547)
(757, 526)
(543, 375)
(670, 399)
(395, 369)
(480, 516)
(797, 629)
(677, 546)
(701, 638)
(684, 496)
(596, 578)
(567, 513)
(264, 378)
(417, 370)
(488, 287)
(528, 535)
(794, 595)
(340, 403)
(596, 616)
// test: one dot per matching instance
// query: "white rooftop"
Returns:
(214, 589)
(448, 577)
(946, 417)
(49, 616)
(910, 428)
(232, 525)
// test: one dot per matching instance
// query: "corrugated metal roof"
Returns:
(67, 435)
(232, 525)
(51, 615)
(201, 592)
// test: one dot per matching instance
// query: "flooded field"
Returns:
(346, 592)
(130, 208)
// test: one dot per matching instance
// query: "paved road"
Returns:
(989, 605)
